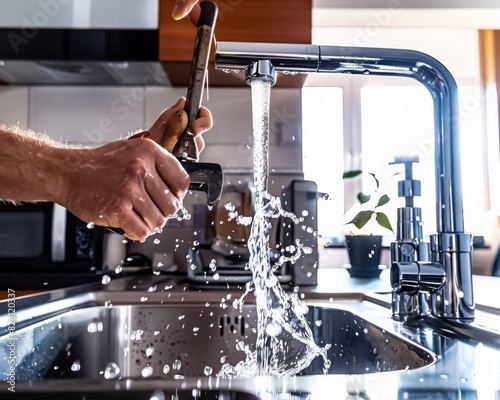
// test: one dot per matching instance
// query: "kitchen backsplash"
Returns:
(93, 115)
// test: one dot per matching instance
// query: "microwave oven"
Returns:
(46, 237)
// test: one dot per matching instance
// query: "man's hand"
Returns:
(202, 124)
(185, 7)
(135, 185)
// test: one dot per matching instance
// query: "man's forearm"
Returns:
(32, 166)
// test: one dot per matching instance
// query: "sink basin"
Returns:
(177, 339)
(135, 394)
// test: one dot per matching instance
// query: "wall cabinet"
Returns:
(277, 21)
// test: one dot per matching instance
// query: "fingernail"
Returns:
(176, 12)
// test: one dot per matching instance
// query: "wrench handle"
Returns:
(186, 147)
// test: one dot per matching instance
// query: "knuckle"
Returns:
(137, 167)
(184, 183)
(171, 207)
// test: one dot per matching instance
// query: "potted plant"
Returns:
(364, 248)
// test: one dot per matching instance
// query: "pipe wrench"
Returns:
(207, 177)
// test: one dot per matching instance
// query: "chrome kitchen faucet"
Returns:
(446, 279)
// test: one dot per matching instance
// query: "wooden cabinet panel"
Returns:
(490, 67)
(271, 21)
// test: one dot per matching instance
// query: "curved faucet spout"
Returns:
(296, 58)
(456, 258)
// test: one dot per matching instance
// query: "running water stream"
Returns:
(285, 344)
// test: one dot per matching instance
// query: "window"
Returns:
(323, 152)
(364, 122)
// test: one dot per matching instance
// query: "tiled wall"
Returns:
(93, 115)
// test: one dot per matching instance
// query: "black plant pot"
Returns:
(364, 255)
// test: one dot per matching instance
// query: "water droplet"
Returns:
(177, 364)
(180, 317)
(273, 329)
(144, 298)
(166, 369)
(147, 371)
(240, 346)
(157, 395)
(105, 279)
(136, 335)
(75, 367)
(95, 326)
(90, 225)
(208, 371)
(271, 281)
(318, 323)
(149, 351)
(112, 371)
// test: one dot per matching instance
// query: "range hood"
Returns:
(81, 57)
(80, 42)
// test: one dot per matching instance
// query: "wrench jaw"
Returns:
(205, 177)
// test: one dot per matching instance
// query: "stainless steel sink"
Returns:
(101, 393)
(160, 335)
(153, 338)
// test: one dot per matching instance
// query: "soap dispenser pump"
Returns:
(409, 245)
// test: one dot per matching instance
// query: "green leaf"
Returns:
(383, 221)
(384, 199)
(361, 218)
(363, 198)
(351, 174)
(377, 183)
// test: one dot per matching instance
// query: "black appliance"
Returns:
(45, 237)
(301, 198)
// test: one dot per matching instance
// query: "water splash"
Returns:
(285, 344)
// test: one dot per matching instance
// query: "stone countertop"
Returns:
(338, 280)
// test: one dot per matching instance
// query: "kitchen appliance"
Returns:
(301, 198)
(77, 42)
(45, 237)
(223, 258)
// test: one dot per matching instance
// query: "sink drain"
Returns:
(232, 325)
